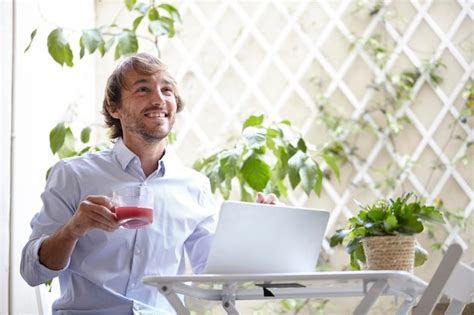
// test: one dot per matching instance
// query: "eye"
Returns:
(142, 89)
(168, 90)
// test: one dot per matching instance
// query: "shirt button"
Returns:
(138, 251)
(133, 285)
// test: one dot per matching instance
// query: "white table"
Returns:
(230, 288)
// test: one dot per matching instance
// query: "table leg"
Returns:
(405, 307)
(370, 297)
(174, 300)
(229, 307)
(228, 299)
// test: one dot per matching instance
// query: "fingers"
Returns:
(99, 210)
(101, 200)
(260, 197)
(271, 199)
(94, 212)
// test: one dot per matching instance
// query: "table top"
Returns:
(315, 284)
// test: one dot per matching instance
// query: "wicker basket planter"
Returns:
(391, 252)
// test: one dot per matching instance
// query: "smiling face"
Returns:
(148, 106)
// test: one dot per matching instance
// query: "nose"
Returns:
(158, 97)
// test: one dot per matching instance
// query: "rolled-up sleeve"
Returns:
(60, 199)
(198, 243)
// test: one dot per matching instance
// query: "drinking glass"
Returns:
(134, 206)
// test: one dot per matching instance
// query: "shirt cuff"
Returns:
(45, 271)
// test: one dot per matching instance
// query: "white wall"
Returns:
(5, 127)
(42, 92)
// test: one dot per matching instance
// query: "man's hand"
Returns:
(271, 199)
(94, 212)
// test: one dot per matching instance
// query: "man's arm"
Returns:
(94, 212)
(57, 227)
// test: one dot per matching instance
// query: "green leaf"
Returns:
(431, 214)
(246, 193)
(130, 4)
(86, 134)
(158, 28)
(91, 39)
(355, 265)
(104, 46)
(101, 48)
(85, 150)
(172, 11)
(68, 148)
(294, 164)
(137, 22)
(214, 177)
(376, 214)
(117, 53)
(56, 137)
(412, 226)
(127, 44)
(359, 253)
(390, 223)
(48, 172)
(301, 145)
(153, 14)
(282, 163)
(49, 285)
(331, 162)
(256, 173)
(253, 121)
(58, 47)
(141, 7)
(282, 188)
(228, 161)
(308, 174)
(421, 255)
(255, 138)
(81, 45)
(318, 186)
(354, 243)
(274, 133)
(169, 25)
(32, 36)
(338, 237)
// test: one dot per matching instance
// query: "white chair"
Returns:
(452, 278)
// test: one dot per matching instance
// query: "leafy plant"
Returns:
(264, 159)
(386, 217)
(64, 143)
(158, 19)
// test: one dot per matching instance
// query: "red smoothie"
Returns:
(134, 217)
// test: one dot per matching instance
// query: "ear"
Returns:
(114, 112)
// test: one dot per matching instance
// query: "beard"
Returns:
(150, 135)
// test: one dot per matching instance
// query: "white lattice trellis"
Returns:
(213, 54)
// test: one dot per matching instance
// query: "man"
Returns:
(76, 235)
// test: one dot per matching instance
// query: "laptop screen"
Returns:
(259, 238)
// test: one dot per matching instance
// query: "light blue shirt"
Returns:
(104, 273)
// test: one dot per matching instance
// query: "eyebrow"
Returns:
(164, 80)
(140, 81)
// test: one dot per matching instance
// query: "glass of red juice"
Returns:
(134, 206)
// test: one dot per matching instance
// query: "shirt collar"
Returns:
(125, 156)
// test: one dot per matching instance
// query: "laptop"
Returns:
(259, 238)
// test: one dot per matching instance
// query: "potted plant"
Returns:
(381, 235)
